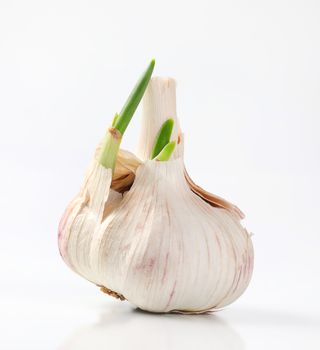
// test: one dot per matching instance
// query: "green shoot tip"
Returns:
(163, 137)
(166, 152)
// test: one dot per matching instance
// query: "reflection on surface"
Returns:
(125, 328)
(276, 318)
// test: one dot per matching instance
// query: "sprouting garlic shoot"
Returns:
(143, 231)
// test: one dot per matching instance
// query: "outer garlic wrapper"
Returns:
(148, 234)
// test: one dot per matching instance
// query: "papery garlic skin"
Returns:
(163, 243)
(162, 247)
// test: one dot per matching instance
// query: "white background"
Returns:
(248, 76)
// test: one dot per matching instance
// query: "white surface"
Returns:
(250, 71)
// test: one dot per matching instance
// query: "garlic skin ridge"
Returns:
(163, 245)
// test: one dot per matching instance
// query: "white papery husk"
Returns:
(149, 234)
(160, 246)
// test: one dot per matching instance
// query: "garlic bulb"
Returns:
(146, 233)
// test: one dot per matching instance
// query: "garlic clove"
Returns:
(83, 216)
(124, 172)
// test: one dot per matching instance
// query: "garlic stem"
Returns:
(158, 104)
(133, 100)
(163, 137)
